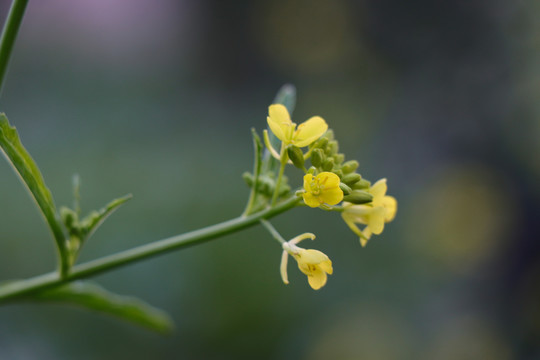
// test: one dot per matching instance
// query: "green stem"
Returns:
(9, 34)
(256, 173)
(24, 287)
(272, 230)
(283, 162)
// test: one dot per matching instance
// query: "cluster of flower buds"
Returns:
(266, 184)
(325, 157)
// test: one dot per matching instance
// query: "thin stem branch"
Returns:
(9, 34)
(272, 230)
(283, 162)
(24, 287)
(257, 148)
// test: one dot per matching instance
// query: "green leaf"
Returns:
(93, 220)
(95, 297)
(286, 96)
(25, 166)
(80, 230)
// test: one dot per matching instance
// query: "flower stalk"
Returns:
(25, 287)
(9, 34)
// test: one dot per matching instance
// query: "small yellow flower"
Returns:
(313, 263)
(285, 130)
(382, 210)
(321, 189)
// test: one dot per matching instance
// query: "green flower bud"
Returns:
(332, 148)
(321, 143)
(248, 178)
(350, 166)
(339, 158)
(284, 189)
(266, 185)
(362, 184)
(338, 173)
(358, 197)
(346, 190)
(351, 179)
(329, 134)
(69, 218)
(328, 164)
(296, 155)
(317, 157)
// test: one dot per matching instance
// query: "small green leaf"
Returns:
(95, 297)
(93, 220)
(287, 97)
(25, 166)
(80, 230)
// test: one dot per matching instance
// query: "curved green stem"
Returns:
(19, 288)
(272, 230)
(257, 147)
(9, 34)
(283, 163)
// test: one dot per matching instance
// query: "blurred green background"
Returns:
(157, 98)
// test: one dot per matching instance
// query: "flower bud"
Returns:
(317, 157)
(351, 179)
(328, 164)
(362, 184)
(266, 185)
(346, 190)
(358, 197)
(349, 166)
(329, 134)
(321, 143)
(332, 148)
(296, 155)
(339, 158)
(248, 178)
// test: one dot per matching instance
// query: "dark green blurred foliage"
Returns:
(158, 101)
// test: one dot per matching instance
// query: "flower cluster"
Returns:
(329, 183)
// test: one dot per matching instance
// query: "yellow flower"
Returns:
(285, 130)
(313, 263)
(323, 188)
(382, 210)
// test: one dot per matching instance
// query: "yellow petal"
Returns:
(328, 179)
(332, 196)
(390, 204)
(311, 256)
(376, 220)
(357, 213)
(277, 129)
(350, 223)
(309, 131)
(326, 266)
(280, 114)
(308, 178)
(279, 121)
(366, 236)
(310, 200)
(367, 233)
(317, 280)
(378, 190)
(295, 240)
(283, 267)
